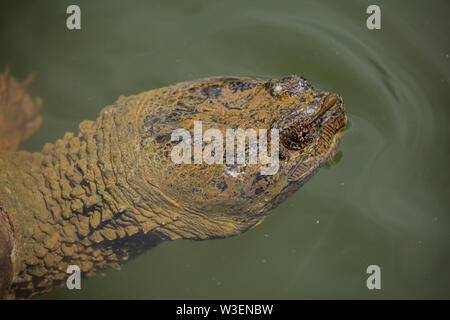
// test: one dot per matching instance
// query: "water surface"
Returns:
(383, 201)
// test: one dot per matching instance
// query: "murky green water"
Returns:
(386, 202)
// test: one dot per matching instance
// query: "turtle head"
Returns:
(310, 132)
(206, 192)
(309, 125)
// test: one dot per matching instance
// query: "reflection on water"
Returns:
(385, 202)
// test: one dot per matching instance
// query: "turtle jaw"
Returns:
(331, 119)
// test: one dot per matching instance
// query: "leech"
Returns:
(327, 104)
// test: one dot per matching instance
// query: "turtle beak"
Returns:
(329, 101)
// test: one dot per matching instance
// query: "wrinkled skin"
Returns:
(99, 198)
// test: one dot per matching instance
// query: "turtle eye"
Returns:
(296, 137)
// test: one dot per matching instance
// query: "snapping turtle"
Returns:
(99, 198)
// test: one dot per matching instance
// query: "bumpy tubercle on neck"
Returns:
(75, 204)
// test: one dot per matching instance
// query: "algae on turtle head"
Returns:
(111, 192)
